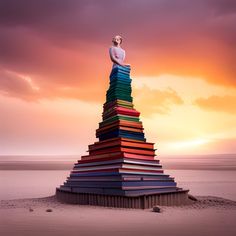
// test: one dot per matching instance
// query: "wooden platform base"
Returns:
(139, 202)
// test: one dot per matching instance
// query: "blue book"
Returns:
(117, 79)
(113, 72)
(122, 133)
(122, 184)
(122, 82)
(121, 68)
(119, 75)
(121, 192)
(117, 173)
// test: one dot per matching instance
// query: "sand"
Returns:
(208, 216)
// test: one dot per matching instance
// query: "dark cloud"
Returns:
(30, 54)
(100, 18)
(64, 43)
(32, 13)
(222, 7)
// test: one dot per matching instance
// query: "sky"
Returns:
(54, 73)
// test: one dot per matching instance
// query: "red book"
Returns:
(123, 143)
(115, 158)
(122, 149)
(120, 112)
(131, 123)
(117, 155)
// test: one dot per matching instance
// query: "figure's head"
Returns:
(117, 40)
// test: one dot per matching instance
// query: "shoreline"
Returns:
(68, 166)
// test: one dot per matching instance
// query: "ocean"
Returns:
(30, 177)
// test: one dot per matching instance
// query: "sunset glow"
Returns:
(190, 143)
(54, 77)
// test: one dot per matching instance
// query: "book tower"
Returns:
(120, 169)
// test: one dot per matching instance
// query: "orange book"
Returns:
(122, 143)
(121, 122)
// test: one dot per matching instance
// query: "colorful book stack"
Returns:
(121, 163)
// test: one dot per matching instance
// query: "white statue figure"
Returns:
(117, 54)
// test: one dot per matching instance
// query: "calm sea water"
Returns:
(41, 183)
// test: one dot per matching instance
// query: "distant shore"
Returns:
(174, 162)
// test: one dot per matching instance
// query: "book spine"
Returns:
(121, 149)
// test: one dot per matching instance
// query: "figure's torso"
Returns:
(118, 53)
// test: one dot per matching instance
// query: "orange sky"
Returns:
(54, 69)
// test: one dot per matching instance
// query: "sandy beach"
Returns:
(34, 188)
(25, 217)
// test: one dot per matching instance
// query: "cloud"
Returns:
(216, 103)
(152, 101)
(16, 85)
(220, 145)
(65, 43)
(23, 87)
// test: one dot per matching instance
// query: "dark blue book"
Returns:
(122, 72)
(122, 133)
(123, 184)
(124, 83)
(121, 192)
(117, 173)
(119, 79)
(119, 76)
(119, 68)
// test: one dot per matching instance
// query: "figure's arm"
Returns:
(113, 57)
(124, 59)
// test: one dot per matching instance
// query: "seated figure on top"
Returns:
(117, 54)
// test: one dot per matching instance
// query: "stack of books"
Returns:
(121, 163)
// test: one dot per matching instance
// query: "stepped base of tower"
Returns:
(121, 168)
(176, 198)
